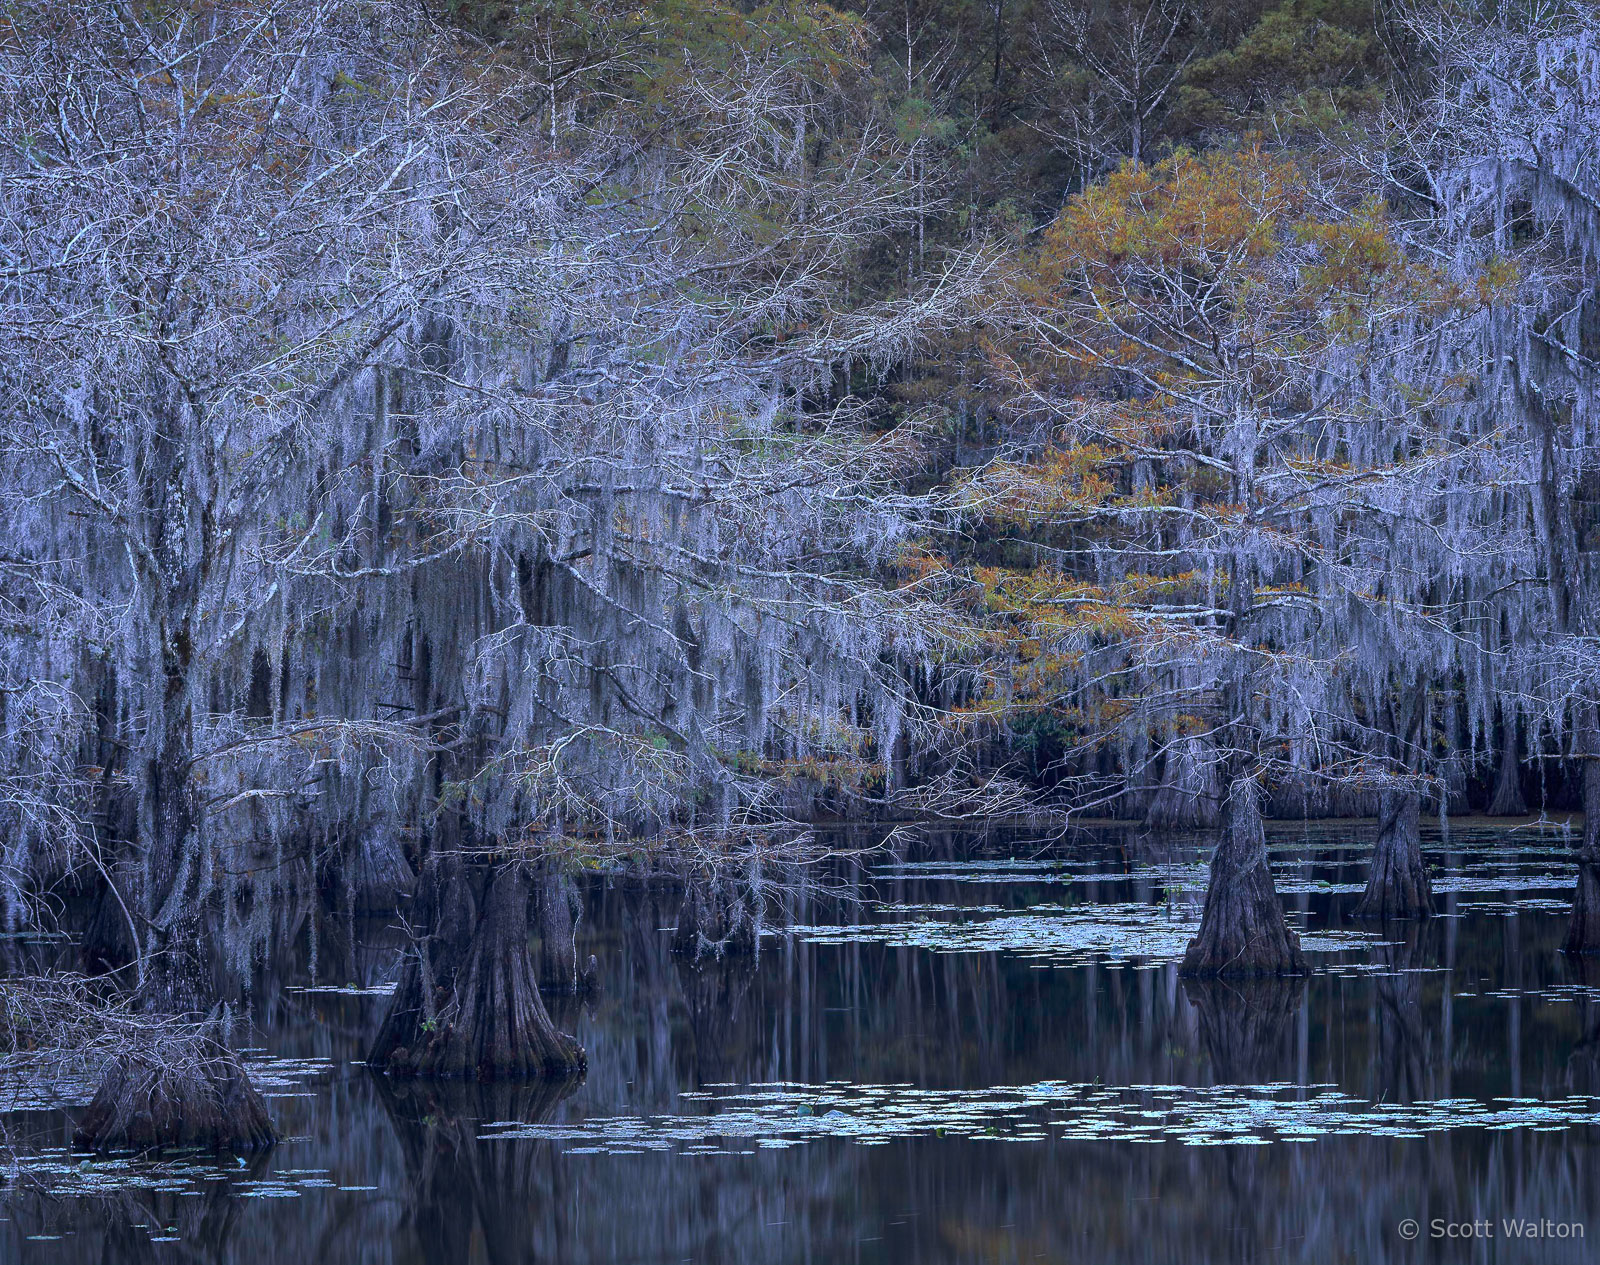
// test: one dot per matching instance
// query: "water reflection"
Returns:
(1470, 1008)
(466, 1198)
(1251, 1029)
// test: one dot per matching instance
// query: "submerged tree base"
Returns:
(184, 1093)
(1583, 929)
(1242, 931)
(468, 1005)
(1397, 882)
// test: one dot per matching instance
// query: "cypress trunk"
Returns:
(1507, 800)
(108, 942)
(183, 1087)
(1242, 930)
(377, 878)
(468, 1005)
(1397, 881)
(176, 1093)
(177, 975)
(558, 940)
(1583, 930)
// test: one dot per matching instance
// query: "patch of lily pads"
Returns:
(1482, 875)
(65, 1174)
(1506, 908)
(27, 1084)
(1130, 932)
(785, 1114)
(1503, 883)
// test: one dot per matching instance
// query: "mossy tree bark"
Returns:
(1508, 800)
(177, 1093)
(468, 1005)
(1583, 927)
(1242, 929)
(175, 971)
(1397, 880)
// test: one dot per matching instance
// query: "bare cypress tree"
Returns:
(392, 479)
(1500, 136)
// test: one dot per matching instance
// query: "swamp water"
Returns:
(979, 1052)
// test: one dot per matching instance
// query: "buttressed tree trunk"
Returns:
(176, 975)
(181, 1094)
(558, 944)
(1508, 800)
(1583, 931)
(1242, 930)
(1397, 881)
(468, 1005)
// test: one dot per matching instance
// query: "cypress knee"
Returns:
(176, 1092)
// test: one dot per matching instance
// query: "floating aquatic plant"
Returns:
(1061, 935)
(787, 1114)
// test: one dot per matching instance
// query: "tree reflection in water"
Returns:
(385, 1173)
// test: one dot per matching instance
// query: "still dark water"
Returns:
(981, 1053)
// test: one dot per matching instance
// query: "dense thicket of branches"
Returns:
(444, 440)
(1297, 509)
(380, 463)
